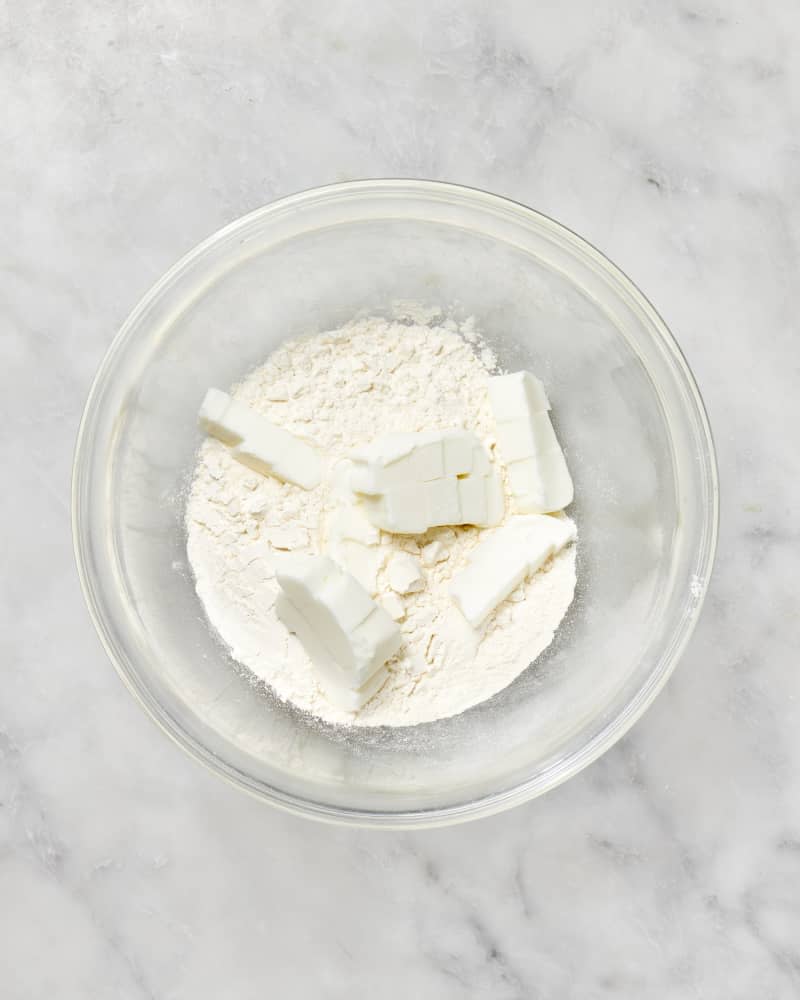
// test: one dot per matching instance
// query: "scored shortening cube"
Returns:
(347, 636)
(258, 443)
(537, 470)
(499, 564)
(349, 699)
(412, 482)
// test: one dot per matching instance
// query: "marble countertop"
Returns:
(667, 134)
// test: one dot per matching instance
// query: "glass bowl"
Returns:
(628, 414)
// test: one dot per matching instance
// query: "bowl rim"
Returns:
(574, 762)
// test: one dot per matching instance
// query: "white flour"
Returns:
(340, 390)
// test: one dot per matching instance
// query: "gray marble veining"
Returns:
(667, 134)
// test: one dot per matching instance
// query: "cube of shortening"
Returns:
(401, 509)
(425, 461)
(473, 499)
(258, 443)
(328, 671)
(537, 470)
(441, 500)
(499, 563)
(346, 634)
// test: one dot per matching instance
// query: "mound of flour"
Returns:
(339, 390)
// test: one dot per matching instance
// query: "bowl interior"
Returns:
(627, 414)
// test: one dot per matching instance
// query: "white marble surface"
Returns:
(666, 133)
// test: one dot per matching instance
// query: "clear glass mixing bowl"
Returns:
(628, 415)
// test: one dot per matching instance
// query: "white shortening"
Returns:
(501, 562)
(537, 470)
(347, 636)
(412, 482)
(258, 443)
